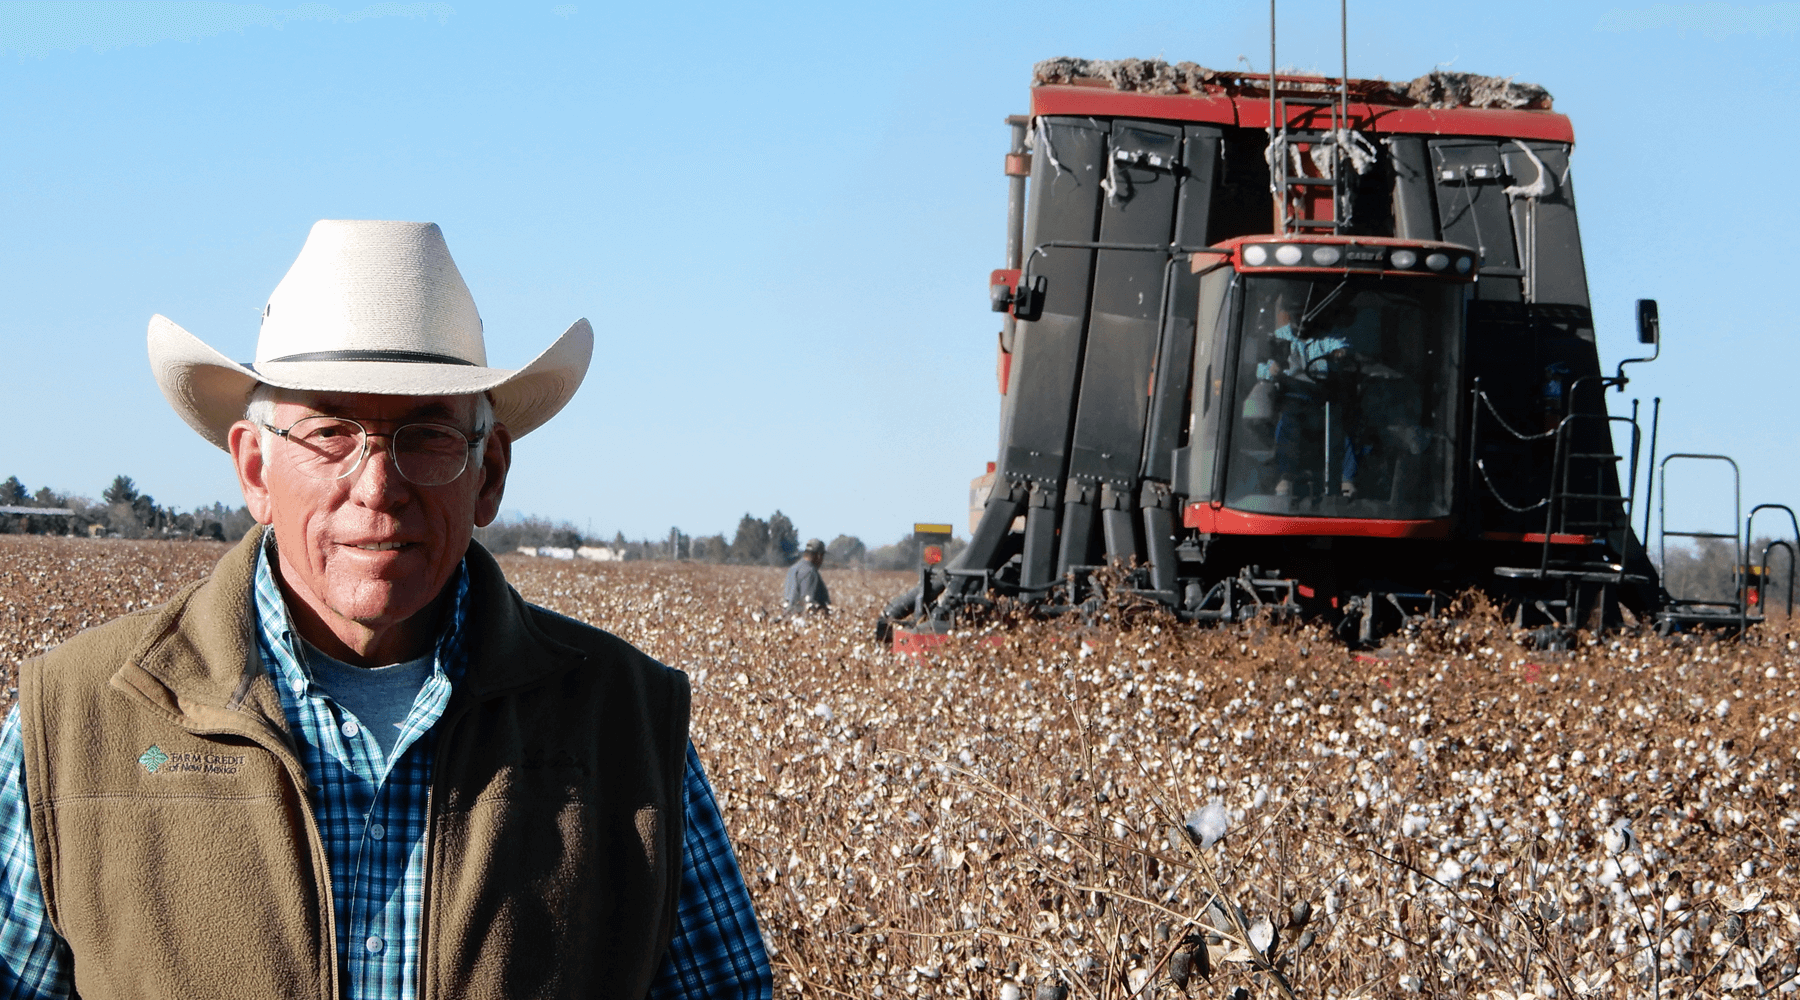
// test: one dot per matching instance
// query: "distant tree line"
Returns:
(121, 512)
(770, 541)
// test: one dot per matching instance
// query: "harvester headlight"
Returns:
(1437, 261)
(1287, 254)
(1463, 264)
(1326, 256)
(1403, 259)
(1255, 255)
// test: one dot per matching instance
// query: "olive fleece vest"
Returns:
(554, 842)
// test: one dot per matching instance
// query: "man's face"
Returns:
(371, 547)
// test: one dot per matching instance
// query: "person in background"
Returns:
(804, 589)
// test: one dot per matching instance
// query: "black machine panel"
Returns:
(1065, 204)
(1545, 222)
(1169, 390)
(1472, 210)
(1108, 434)
(1415, 207)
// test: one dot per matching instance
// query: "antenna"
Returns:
(1276, 188)
(1341, 141)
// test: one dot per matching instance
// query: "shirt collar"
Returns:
(277, 631)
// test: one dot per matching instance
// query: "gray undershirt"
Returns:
(379, 697)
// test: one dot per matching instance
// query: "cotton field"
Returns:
(1137, 808)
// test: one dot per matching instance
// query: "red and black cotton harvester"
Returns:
(1303, 346)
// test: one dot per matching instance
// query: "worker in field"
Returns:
(804, 589)
(353, 762)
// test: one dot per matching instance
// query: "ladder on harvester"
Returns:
(1285, 136)
(1579, 515)
(1579, 507)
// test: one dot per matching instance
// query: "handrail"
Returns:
(1662, 515)
(1559, 473)
(1750, 539)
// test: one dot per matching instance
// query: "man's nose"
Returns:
(379, 479)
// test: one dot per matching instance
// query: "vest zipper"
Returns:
(439, 752)
(445, 729)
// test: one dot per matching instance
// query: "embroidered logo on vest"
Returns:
(153, 759)
(156, 760)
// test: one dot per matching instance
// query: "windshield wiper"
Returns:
(1324, 303)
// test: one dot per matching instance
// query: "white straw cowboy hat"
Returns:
(368, 307)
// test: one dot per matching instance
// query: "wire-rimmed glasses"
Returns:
(330, 448)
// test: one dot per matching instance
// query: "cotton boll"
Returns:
(1620, 839)
(1207, 826)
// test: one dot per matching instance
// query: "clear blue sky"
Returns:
(779, 218)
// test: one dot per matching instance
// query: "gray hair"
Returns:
(260, 410)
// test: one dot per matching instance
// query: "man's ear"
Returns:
(495, 461)
(252, 470)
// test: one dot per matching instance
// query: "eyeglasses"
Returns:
(330, 448)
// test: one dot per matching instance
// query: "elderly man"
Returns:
(354, 762)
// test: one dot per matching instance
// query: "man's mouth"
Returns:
(380, 546)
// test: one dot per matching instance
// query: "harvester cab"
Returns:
(1326, 383)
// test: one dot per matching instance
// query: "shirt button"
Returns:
(374, 944)
(378, 831)
(351, 728)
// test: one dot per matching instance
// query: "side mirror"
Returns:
(1649, 327)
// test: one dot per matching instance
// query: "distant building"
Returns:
(599, 553)
(23, 513)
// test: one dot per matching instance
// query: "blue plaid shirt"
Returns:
(370, 808)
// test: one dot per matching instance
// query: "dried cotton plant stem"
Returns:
(807, 983)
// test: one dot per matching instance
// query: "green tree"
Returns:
(751, 544)
(846, 550)
(122, 490)
(784, 540)
(12, 492)
(712, 548)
